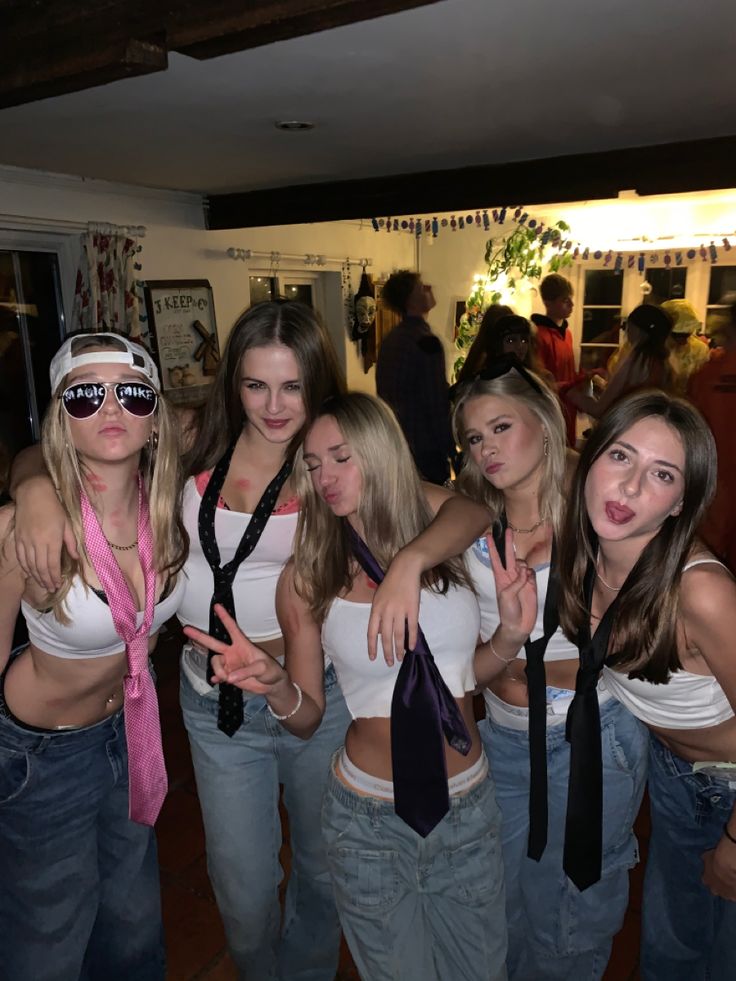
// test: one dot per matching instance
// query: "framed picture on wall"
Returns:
(181, 318)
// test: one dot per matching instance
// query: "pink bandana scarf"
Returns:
(146, 769)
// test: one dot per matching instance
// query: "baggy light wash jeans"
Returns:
(688, 934)
(413, 908)
(238, 786)
(79, 884)
(556, 932)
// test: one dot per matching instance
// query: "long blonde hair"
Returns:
(161, 471)
(544, 405)
(392, 509)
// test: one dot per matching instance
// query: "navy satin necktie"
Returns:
(423, 714)
(582, 857)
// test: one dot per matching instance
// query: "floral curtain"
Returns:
(105, 296)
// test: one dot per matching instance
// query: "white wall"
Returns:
(177, 245)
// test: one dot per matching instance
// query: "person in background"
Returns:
(645, 365)
(512, 431)
(483, 342)
(687, 352)
(554, 343)
(82, 776)
(411, 376)
(662, 614)
(409, 818)
(712, 389)
(500, 335)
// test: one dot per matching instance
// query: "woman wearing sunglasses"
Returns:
(512, 431)
(81, 767)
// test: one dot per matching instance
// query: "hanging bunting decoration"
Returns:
(641, 262)
(678, 258)
(726, 245)
(435, 228)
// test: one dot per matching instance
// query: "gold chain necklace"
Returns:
(524, 531)
(614, 589)
(121, 548)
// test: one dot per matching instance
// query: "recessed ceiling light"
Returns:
(293, 125)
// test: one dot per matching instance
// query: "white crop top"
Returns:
(254, 588)
(91, 632)
(450, 624)
(686, 701)
(479, 567)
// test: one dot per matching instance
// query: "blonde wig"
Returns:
(162, 478)
(392, 510)
(545, 407)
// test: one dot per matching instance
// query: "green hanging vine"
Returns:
(517, 257)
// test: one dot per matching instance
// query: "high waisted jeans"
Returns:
(413, 908)
(556, 932)
(238, 786)
(79, 886)
(688, 934)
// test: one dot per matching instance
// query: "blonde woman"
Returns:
(409, 818)
(81, 768)
(511, 429)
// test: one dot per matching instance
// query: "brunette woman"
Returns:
(80, 895)
(634, 573)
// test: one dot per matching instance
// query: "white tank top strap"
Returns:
(706, 560)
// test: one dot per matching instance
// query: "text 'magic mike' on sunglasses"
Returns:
(85, 399)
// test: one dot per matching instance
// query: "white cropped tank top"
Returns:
(479, 567)
(450, 624)
(686, 701)
(254, 588)
(91, 632)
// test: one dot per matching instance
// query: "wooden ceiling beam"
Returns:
(30, 80)
(61, 46)
(667, 169)
(257, 24)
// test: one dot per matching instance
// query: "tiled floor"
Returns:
(194, 934)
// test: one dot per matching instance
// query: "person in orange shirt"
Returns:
(713, 391)
(554, 342)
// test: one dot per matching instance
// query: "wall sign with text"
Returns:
(181, 317)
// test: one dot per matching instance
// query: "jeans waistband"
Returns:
(711, 770)
(361, 804)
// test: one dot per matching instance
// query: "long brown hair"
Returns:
(296, 326)
(645, 630)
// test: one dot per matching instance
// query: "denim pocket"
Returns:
(476, 868)
(15, 772)
(365, 878)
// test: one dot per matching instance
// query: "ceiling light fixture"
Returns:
(293, 125)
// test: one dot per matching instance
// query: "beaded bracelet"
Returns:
(728, 834)
(296, 708)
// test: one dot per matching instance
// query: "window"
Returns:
(601, 317)
(721, 293)
(667, 284)
(31, 329)
(289, 286)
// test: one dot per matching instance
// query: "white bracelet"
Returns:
(495, 653)
(296, 708)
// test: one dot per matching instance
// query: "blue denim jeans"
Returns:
(557, 932)
(687, 933)
(238, 786)
(413, 908)
(80, 895)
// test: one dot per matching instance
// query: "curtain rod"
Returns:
(33, 222)
(309, 259)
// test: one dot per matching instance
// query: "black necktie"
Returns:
(583, 828)
(230, 713)
(423, 711)
(537, 685)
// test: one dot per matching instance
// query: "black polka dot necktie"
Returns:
(230, 712)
